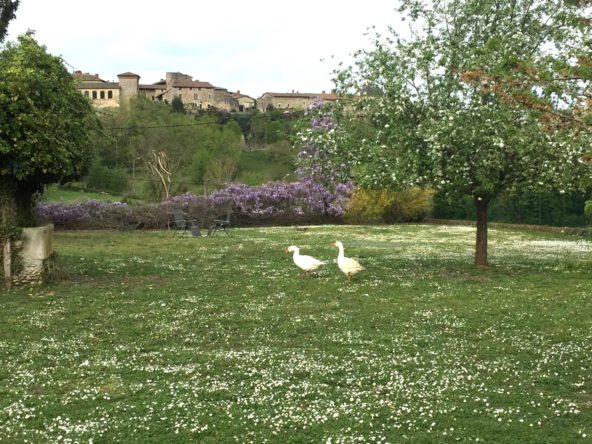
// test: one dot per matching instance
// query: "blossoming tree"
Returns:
(433, 130)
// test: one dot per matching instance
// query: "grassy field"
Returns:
(257, 162)
(54, 194)
(217, 340)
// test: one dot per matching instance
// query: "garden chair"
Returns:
(183, 224)
(220, 224)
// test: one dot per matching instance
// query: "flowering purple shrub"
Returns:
(320, 135)
(322, 123)
(272, 202)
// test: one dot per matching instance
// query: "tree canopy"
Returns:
(45, 123)
(177, 105)
(7, 13)
(431, 129)
(554, 87)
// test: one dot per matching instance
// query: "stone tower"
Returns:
(129, 84)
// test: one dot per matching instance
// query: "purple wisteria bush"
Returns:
(271, 203)
(319, 137)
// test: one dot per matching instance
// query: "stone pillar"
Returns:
(37, 246)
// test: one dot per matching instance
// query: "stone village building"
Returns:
(195, 94)
(291, 100)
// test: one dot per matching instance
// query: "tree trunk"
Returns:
(25, 208)
(6, 253)
(7, 265)
(481, 244)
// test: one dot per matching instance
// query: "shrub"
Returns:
(106, 179)
(282, 152)
(274, 203)
(384, 206)
(252, 178)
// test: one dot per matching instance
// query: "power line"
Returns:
(265, 116)
(162, 126)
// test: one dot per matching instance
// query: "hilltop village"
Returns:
(195, 94)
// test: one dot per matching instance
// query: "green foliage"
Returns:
(194, 146)
(434, 131)
(282, 152)
(74, 191)
(588, 207)
(153, 191)
(103, 178)
(7, 13)
(385, 206)
(552, 209)
(255, 165)
(276, 131)
(252, 178)
(199, 164)
(177, 105)
(214, 143)
(45, 123)
(220, 171)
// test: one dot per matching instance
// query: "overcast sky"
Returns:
(253, 46)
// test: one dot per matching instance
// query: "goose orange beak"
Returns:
(334, 244)
(287, 251)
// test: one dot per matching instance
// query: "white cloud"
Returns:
(255, 46)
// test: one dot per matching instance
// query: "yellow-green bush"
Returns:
(384, 206)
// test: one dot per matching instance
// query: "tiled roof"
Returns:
(87, 78)
(128, 74)
(191, 84)
(307, 95)
(105, 85)
(239, 95)
(153, 87)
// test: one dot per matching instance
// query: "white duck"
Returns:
(306, 263)
(349, 266)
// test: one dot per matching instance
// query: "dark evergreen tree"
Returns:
(7, 13)
(177, 105)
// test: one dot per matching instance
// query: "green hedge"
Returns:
(555, 210)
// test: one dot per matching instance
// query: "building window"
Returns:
(110, 95)
(102, 94)
(195, 96)
(279, 105)
(86, 94)
(94, 95)
(210, 96)
(303, 102)
(180, 96)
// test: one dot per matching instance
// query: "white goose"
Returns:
(306, 263)
(349, 266)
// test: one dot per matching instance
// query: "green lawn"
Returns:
(54, 194)
(257, 162)
(217, 340)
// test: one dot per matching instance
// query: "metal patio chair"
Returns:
(220, 224)
(185, 225)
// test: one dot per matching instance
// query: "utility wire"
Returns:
(183, 125)
(162, 126)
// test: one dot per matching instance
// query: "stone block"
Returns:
(37, 243)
